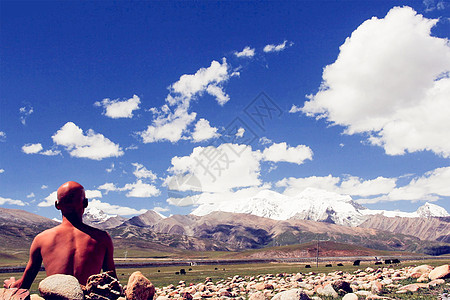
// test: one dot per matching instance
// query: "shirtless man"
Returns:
(71, 248)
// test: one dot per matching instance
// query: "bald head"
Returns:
(70, 192)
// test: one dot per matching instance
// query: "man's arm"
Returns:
(108, 260)
(31, 270)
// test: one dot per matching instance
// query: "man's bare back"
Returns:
(71, 248)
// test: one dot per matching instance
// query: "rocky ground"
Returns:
(381, 283)
(421, 282)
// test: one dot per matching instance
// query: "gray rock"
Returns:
(294, 294)
(62, 287)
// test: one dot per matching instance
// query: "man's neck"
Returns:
(74, 220)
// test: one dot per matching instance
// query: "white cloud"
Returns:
(43, 187)
(109, 170)
(2, 171)
(119, 109)
(31, 195)
(265, 141)
(49, 200)
(283, 152)
(217, 169)
(277, 48)
(161, 209)
(137, 189)
(90, 145)
(203, 131)
(431, 186)
(295, 109)
(37, 149)
(25, 112)
(349, 185)
(108, 187)
(140, 189)
(2, 136)
(10, 201)
(240, 132)
(431, 5)
(391, 81)
(141, 172)
(247, 52)
(115, 209)
(32, 148)
(172, 120)
(93, 194)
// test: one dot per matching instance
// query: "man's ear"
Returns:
(57, 205)
(85, 202)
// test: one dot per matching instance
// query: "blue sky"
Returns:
(144, 101)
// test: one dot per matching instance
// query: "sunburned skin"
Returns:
(71, 248)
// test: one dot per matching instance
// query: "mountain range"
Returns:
(268, 219)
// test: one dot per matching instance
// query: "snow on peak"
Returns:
(95, 215)
(311, 204)
(431, 210)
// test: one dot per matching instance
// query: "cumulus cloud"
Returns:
(247, 52)
(172, 119)
(25, 112)
(203, 131)
(90, 145)
(2, 171)
(112, 209)
(218, 169)
(44, 187)
(31, 195)
(138, 189)
(119, 109)
(390, 81)
(142, 172)
(32, 148)
(283, 152)
(49, 200)
(431, 186)
(10, 201)
(37, 149)
(2, 136)
(93, 194)
(265, 141)
(277, 48)
(349, 185)
(431, 5)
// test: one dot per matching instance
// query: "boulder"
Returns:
(102, 286)
(14, 294)
(422, 269)
(410, 288)
(294, 294)
(350, 296)
(342, 287)
(440, 272)
(139, 287)
(436, 282)
(258, 296)
(328, 291)
(59, 286)
(376, 288)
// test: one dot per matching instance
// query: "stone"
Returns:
(350, 296)
(102, 286)
(14, 294)
(436, 282)
(139, 287)
(422, 269)
(376, 288)
(294, 294)
(59, 286)
(328, 291)
(410, 288)
(258, 296)
(342, 287)
(440, 272)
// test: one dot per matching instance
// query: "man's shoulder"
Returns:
(97, 232)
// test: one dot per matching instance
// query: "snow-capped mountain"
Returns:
(95, 215)
(311, 204)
